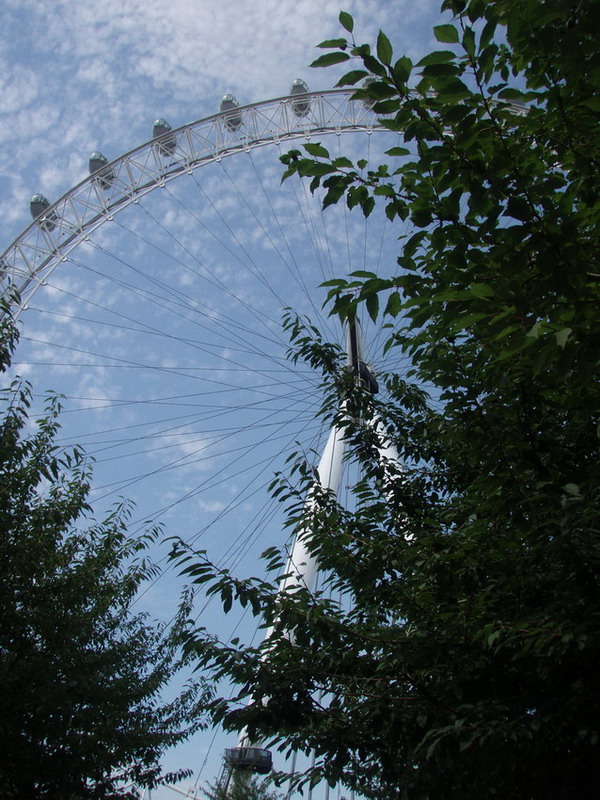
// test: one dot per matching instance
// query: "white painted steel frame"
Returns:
(31, 258)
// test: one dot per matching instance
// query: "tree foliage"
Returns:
(242, 786)
(81, 676)
(461, 661)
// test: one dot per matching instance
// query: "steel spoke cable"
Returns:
(283, 364)
(175, 464)
(319, 240)
(296, 271)
(255, 426)
(318, 436)
(233, 504)
(193, 458)
(207, 409)
(269, 460)
(187, 372)
(183, 301)
(151, 330)
(275, 339)
(178, 297)
(251, 265)
(210, 278)
(212, 414)
(210, 411)
(314, 221)
(252, 530)
(207, 412)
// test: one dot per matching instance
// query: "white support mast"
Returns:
(302, 566)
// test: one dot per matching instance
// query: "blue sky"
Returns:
(163, 331)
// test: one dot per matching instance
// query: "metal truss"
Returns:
(47, 242)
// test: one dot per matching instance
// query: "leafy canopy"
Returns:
(81, 676)
(242, 786)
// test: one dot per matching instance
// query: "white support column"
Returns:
(302, 567)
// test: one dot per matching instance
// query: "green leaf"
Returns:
(339, 282)
(544, 356)
(446, 33)
(388, 107)
(316, 149)
(380, 91)
(437, 57)
(350, 78)
(468, 41)
(342, 163)
(481, 290)
(421, 217)
(372, 303)
(592, 103)
(367, 206)
(346, 21)
(329, 59)
(361, 50)
(341, 43)
(537, 329)
(385, 190)
(487, 34)
(402, 69)
(384, 48)
(397, 151)
(374, 66)
(435, 70)
(518, 208)
(511, 94)
(562, 337)
(394, 304)
(449, 89)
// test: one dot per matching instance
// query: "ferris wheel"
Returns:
(152, 296)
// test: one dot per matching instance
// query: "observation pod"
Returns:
(97, 164)
(38, 206)
(250, 759)
(233, 120)
(301, 106)
(166, 144)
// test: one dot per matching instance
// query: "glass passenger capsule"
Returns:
(166, 143)
(300, 90)
(97, 165)
(233, 120)
(38, 206)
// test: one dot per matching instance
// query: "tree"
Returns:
(462, 662)
(81, 676)
(242, 786)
